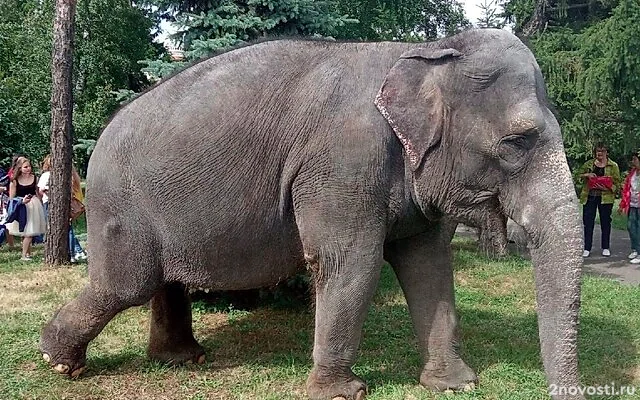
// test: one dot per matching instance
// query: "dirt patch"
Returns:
(39, 290)
(633, 374)
(133, 386)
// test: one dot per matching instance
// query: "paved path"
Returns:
(617, 266)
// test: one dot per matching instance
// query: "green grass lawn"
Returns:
(618, 221)
(265, 353)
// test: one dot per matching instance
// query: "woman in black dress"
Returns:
(24, 185)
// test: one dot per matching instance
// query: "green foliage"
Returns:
(407, 20)
(590, 56)
(85, 145)
(111, 36)
(25, 77)
(589, 52)
(491, 17)
(209, 26)
(216, 25)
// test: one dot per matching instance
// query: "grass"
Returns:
(264, 353)
(618, 221)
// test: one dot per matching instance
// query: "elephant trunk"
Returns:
(547, 208)
(557, 259)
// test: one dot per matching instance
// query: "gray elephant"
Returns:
(244, 168)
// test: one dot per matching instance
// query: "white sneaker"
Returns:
(586, 253)
(635, 260)
(80, 256)
(606, 253)
(633, 255)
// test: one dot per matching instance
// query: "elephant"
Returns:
(492, 236)
(254, 164)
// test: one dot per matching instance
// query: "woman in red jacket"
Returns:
(630, 205)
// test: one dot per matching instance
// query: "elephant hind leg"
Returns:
(122, 274)
(65, 338)
(171, 336)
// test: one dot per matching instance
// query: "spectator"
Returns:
(14, 160)
(4, 186)
(24, 186)
(4, 197)
(630, 204)
(43, 183)
(602, 179)
(76, 253)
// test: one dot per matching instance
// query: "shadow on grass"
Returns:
(280, 338)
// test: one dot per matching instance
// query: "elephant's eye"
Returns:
(514, 148)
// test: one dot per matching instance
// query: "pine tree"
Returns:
(491, 16)
(206, 27)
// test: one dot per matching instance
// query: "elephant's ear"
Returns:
(411, 100)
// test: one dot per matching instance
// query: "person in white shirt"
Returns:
(75, 249)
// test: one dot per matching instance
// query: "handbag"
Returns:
(77, 208)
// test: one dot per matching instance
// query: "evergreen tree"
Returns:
(491, 16)
(209, 26)
(589, 52)
(407, 20)
(111, 37)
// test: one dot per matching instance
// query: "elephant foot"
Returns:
(343, 386)
(456, 376)
(187, 353)
(65, 359)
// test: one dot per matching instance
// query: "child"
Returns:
(630, 205)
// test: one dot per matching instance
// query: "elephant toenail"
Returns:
(61, 368)
(469, 387)
(361, 395)
(46, 357)
(449, 391)
(339, 398)
(201, 359)
(78, 372)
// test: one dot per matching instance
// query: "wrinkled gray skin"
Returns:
(492, 235)
(241, 170)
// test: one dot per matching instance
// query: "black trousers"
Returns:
(594, 203)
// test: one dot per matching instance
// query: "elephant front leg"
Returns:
(424, 270)
(345, 282)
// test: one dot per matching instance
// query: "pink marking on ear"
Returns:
(381, 101)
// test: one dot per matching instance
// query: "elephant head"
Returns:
(480, 142)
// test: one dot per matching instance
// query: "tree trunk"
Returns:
(57, 243)
(538, 20)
